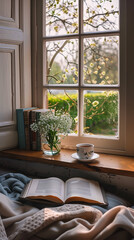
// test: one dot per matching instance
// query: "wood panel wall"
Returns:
(15, 66)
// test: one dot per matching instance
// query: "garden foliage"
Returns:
(100, 110)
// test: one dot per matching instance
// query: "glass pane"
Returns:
(64, 101)
(101, 15)
(101, 113)
(61, 17)
(62, 62)
(101, 60)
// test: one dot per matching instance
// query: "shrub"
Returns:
(100, 109)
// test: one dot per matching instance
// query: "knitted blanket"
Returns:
(67, 222)
(12, 184)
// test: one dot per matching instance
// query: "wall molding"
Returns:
(12, 21)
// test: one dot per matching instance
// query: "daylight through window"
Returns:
(81, 65)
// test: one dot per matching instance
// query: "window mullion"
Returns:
(80, 93)
(83, 34)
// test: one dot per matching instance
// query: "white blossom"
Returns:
(49, 122)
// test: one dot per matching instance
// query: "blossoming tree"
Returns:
(100, 54)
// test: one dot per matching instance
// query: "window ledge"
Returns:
(114, 164)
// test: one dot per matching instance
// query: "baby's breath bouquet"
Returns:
(51, 126)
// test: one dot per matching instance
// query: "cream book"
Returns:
(55, 190)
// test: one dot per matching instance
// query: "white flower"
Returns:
(95, 103)
(76, 119)
(51, 124)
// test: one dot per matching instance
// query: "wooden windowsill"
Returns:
(114, 164)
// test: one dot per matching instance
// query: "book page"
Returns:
(83, 188)
(45, 187)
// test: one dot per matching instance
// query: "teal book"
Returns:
(21, 126)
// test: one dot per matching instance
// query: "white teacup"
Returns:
(85, 150)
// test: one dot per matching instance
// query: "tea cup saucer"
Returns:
(94, 156)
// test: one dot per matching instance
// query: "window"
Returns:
(84, 70)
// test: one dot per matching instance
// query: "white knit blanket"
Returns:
(68, 222)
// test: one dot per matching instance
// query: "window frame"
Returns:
(101, 144)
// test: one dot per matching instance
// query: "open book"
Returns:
(73, 190)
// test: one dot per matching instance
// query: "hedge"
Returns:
(100, 109)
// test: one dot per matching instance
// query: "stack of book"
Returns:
(27, 139)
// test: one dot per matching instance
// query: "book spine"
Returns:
(33, 134)
(27, 129)
(20, 128)
(38, 137)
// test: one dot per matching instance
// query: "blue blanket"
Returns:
(12, 184)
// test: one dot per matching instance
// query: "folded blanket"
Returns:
(12, 184)
(67, 222)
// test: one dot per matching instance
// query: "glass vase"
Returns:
(50, 149)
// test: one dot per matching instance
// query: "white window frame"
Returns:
(123, 145)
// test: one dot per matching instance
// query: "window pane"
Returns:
(101, 113)
(101, 60)
(61, 17)
(64, 101)
(62, 62)
(101, 15)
